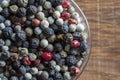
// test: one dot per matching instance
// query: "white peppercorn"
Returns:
(1, 9)
(34, 70)
(13, 36)
(23, 51)
(50, 20)
(43, 43)
(5, 48)
(2, 26)
(53, 63)
(80, 28)
(39, 8)
(52, 38)
(64, 68)
(29, 31)
(4, 3)
(8, 42)
(79, 20)
(40, 15)
(28, 76)
(13, 9)
(23, 3)
(17, 28)
(57, 68)
(44, 24)
(2, 63)
(59, 21)
(67, 76)
(50, 47)
(79, 63)
(47, 5)
(56, 14)
(37, 31)
(7, 23)
(24, 18)
(72, 27)
(71, 9)
(75, 15)
(59, 8)
(84, 35)
(32, 56)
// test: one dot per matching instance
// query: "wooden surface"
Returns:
(104, 20)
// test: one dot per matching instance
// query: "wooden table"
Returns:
(104, 20)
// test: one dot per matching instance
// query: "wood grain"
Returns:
(104, 20)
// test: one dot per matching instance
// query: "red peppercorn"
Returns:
(75, 43)
(26, 61)
(75, 71)
(46, 56)
(72, 21)
(65, 15)
(37, 62)
(66, 4)
(35, 22)
(21, 22)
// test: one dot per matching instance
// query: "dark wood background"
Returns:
(104, 20)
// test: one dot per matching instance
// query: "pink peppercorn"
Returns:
(26, 61)
(75, 71)
(72, 21)
(35, 22)
(75, 43)
(37, 62)
(66, 4)
(47, 56)
(65, 15)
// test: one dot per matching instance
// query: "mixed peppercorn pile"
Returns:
(40, 40)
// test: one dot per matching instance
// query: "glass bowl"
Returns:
(87, 30)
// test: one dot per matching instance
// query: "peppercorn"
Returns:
(14, 56)
(58, 46)
(5, 12)
(22, 69)
(35, 22)
(57, 57)
(64, 28)
(75, 71)
(31, 10)
(44, 75)
(29, 31)
(4, 3)
(37, 30)
(31, 2)
(59, 8)
(41, 2)
(83, 46)
(68, 37)
(16, 64)
(40, 15)
(20, 36)
(71, 60)
(13, 78)
(37, 62)
(48, 32)
(2, 42)
(47, 56)
(28, 76)
(47, 5)
(66, 4)
(2, 19)
(67, 76)
(44, 24)
(72, 27)
(40, 8)
(34, 42)
(13, 9)
(75, 43)
(26, 44)
(77, 35)
(5, 55)
(7, 32)
(26, 61)
(65, 15)
(56, 2)
(75, 15)
(28, 23)
(54, 27)
(2, 64)
(34, 70)
(58, 76)
(21, 12)
(59, 21)
(23, 51)
(7, 23)
(32, 56)
(50, 20)
(41, 67)
(23, 3)
(50, 47)
(2, 26)
(80, 28)
(56, 14)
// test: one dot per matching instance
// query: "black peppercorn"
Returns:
(56, 2)
(83, 46)
(26, 44)
(34, 42)
(58, 46)
(31, 2)
(13, 2)
(28, 23)
(2, 42)
(57, 57)
(40, 2)
(5, 12)
(16, 65)
(64, 28)
(7, 32)
(5, 55)
(21, 12)
(20, 36)
(71, 60)
(58, 76)
(54, 27)
(31, 10)
(48, 32)
(2, 19)
(19, 43)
